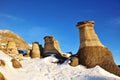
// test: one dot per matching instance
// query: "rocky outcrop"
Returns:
(11, 48)
(51, 46)
(16, 64)
(35, 53)
(92, 52)
(2, 62)
(6, 36)
(2, 77)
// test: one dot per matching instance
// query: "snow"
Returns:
(45, 69)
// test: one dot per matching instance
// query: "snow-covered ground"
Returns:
(45, 69)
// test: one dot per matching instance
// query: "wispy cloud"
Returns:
(8, 16)
(115, 20)
(38, 31)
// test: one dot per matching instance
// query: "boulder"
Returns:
(2, 76)
(74, 61)
(92, 52)
(2, 62)
(16, 64)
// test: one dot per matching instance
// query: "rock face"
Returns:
(11, 48)
(35, 50)
(51, 46)
(92, 52)
(6, 36)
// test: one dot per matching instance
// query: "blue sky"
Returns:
(34, 19)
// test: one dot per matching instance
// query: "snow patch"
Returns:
(45, 69)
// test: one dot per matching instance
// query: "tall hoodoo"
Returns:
(11, 48)
(35, 50)
(92, 52)
(51, 46)
(88, 37)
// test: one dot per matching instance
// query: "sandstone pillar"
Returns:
(51, 46)
(35, 50)
(92, 52)
(88, 37)
(11, 48)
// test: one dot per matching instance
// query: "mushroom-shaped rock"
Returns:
(92, 52)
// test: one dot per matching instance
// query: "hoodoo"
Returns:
(92, 52)
(51, 46)
(35, 50)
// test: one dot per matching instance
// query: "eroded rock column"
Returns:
(35, 53)
(92, 52)
(11, 48)
(51, 46)
(88, 37)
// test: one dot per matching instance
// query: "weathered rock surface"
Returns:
(92, 52)
(51, 46)
(74, 61)
(16, 64)
(2, 62)
(35, 53)
(6, 36)
(2, 77)
(11, 48)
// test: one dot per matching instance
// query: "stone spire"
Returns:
(92, 52)
(88, 37)
(51, 46)
(35, 50)
(11, 48)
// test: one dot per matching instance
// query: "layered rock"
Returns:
(6, 35)
(35, 53)
(11, 48)
(51, 46)
(92, 52)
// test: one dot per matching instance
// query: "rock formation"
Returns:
(51, 46)
(92, 52)
(6, 35)
(74, 61)
(11, 48)
(2, 77)
(2, 62)
(16, 64)
(35, 53)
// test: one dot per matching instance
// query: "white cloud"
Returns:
(10, 17)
